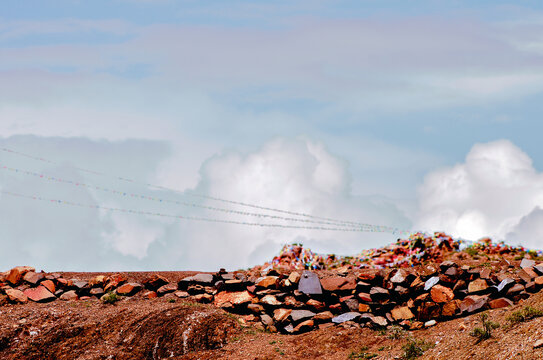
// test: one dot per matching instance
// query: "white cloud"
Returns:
(496, 192)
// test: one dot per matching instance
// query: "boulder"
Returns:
(477, 286)
(450, 309)
(39, 294)
(267, 282)
(500, 303)
(128, 289)
(402, 313)
(281, 315)
(235, 298)
(16, 296)
(69, 295)
(309, 283)
(294, 277)
(166, 289)
(50, 285)
(33, 278)
(155, 281)
(441, 294)
(16, 274)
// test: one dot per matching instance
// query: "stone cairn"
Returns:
(285, 300)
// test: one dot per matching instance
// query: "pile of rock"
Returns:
(297, 301)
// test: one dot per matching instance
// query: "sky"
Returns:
(420, 116)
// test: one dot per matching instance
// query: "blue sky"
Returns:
(374, 110)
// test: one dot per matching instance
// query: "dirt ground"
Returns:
(139, 328)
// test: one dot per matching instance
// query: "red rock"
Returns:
(83, 298)
(527, 274)
(166, 289)
(335, 307)
(255, 308)
(364, 297)
(477, 286)
(270, 300)
(304, 326)
(450, 309)
(63, 282)
(16, 296)
(49, 285)
(267, 282)
(294, 277)
(485, 273)
(39, 294)
(97, 281)
(234, 298)
(181, 294)
(363, 308)
(337, 283)
(16, 274)
(281, 315)
(539, 280)
(32, 277)
(316, 305)
(155, 281)
(441, 294)
(69, 295)
(323, 316)
(428, 310)
(402, 313)
(473, 303)
(114, 281)
(152, 294)
(203, 298)
(128, 289)
(500, 303)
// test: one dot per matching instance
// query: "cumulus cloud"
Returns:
(496, 192)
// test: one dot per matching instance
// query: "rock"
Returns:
(378, 293)
(16, 296)
(268, 282)
(445, 265)
(203, 298)
(526, 263)
(363, 308)
(98, 292)
(266, 320)
(338, 283)
(151, 294)
(431, 282)
(16, 274)
(500, 303)
(364, 297)
(477, 286)
(114, 281)
(515, 289)
(539, 280)
(255, 308)
(128, 289)
(505, 284)
(234, 298)
(165, 289)
(379, 321)
(473, 303)
(69, 295)
(270, 300)
(294, 277)
(349, 316)
(527, 274)
(97, 281)
(441, 294)
(399, 278)
(315, 305)
(203, 279)
(304, 326)
(538, 344)
(309, 283)
(281, 315)
(450, 309)
(323, 316)
(402, 313)
(298, 315)
(49, 285)
(428, 310)
(349, 303)
(39, 294)
(181, 294)
(430, 323)
(33, 278)
(155, 281)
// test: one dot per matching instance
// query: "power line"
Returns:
(181, 217)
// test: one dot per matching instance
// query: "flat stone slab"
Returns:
(310, 284)
(346, 317)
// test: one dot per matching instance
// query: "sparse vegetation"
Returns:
(415, 348)
(486, 331)
(110, 298)
(361, 354)
(527, 313)
(471, 251)
(396, 332)
(172, 300)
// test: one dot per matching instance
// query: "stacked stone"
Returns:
(297, 301)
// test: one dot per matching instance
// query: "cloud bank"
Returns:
(495, 192)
